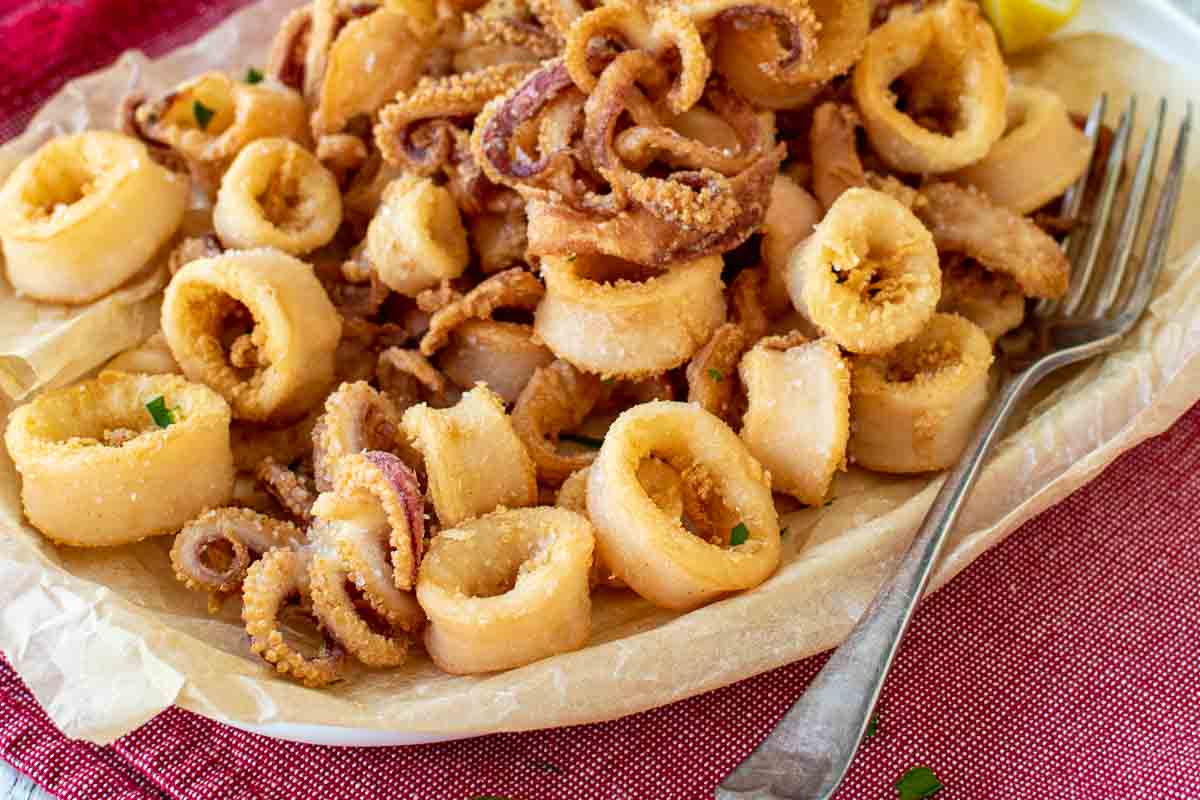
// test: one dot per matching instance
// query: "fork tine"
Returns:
(1085, 265)
(1073, 197)
(1134, 214)
(1160, 229)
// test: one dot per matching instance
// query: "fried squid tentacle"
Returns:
(556, 399)
(243, 534)
(357, 417)
(513, 288)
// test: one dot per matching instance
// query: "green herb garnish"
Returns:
(715, 374)
(253, 76)
(872, 726)
(586, 441)
(203, 114)
(739, 534)
(829, 502)
(783, 532)
(163, 416)
(918, 782)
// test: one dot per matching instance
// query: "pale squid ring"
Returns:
(81, 487)
(85, 213)
(869, 276)
(915, 408)
(951, 54)
(277, 194)
(653, 552)
(507, 589)
(296, 331)
(416, 238)
(620, 328)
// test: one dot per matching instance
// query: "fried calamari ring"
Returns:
(991, 300)
(869, 276)
(210, 118)
(1041, 154)
(456, 441)
(151, 357)
(503, 355)
(745, 55)
(946, 58)
(371, 59)
(914, 409)
(97, 469)
(790, 218)
(357, 417)
(832, 144)
(285, 362)
(965, 221)
(598, 316)
(513, 288)
(556, 399)
(84, 214)
(276, 194)
(271, 582)
(653, 552)
(661, 31)
(415, 129)
(507, 589)
(416, 239)
(213, 551)
(798, 420)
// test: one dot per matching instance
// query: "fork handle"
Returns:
(808, 753)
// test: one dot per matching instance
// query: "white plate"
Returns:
(1155, 25)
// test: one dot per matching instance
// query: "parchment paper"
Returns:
(106, 639)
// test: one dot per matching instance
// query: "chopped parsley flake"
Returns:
(918, 782)
(163, 416)
(739, 534)
(254, 75)
(586, 441)
(716, 375)
(203, 114)
(872, 726)
(829, 502)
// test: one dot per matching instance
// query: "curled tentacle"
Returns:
(356, 418)
(556, 399)
(514, 288)
(213, 551)
(290, 489)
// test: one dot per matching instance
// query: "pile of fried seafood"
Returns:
(478, 309)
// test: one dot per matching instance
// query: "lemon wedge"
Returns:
(1021, 24)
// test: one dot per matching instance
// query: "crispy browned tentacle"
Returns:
(277, 579)
(356, 418)
(213, 551)
(287, 487)
(746, 303)
(557, 15)
(289, 48)
(408, 378)
(712, 372)
(518, 35)
(513, 288)
(556, 399)
(834, 149)
(792, 17)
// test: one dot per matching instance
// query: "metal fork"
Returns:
(808, 753)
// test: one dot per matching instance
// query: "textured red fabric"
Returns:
(1064, 663)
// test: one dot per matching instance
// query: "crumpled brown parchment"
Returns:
(106, 639)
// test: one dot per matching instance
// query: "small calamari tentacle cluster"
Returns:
(213, 551)
(357, 417)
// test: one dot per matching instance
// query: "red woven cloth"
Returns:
(1064, 663)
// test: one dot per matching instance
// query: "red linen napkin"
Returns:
(1065, 663)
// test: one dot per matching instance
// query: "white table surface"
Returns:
(15, 786)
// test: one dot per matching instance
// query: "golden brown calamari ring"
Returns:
(151, 357)
(245, 532)
(357, 417)
(507, 589)
(791, 217)
(654, 553)
(556, 399)
(504, 355)
(598, 316)
(947, 57)
(798, 420)
(474, 459)
(85, 213)
(240, 113)
(271, 582)
(276, 194)
(869, 276)
(915, 408)
(744, 55)
(1037, 159)
(97, 470)
(416, 239)
(296, 329)
(964, 220)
